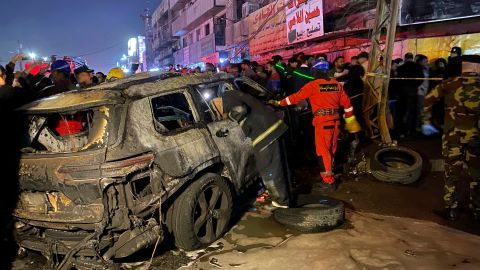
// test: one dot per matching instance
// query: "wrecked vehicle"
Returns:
(104, 169)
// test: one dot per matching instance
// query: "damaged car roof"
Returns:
(136, 86)
(73, 100)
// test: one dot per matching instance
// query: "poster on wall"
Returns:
(304, 19)
(272, 35)
(423, 11)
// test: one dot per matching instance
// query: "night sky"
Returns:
(72, 28)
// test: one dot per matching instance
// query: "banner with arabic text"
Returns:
(304, 19)
(272, 35)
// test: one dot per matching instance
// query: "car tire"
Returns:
(396, 165)
(201, 214)
(319, 215)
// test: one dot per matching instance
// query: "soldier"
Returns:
(326, 96)
(461, 145)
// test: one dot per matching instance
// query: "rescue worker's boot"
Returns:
(324, 187)
(279, 205)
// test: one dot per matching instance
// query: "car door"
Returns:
(184, 143)
(235, 148)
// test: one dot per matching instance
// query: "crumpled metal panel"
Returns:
(73, 100)
(176, 154)
(148, 89)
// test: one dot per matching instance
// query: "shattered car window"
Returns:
(208, 96)
(171, 112)
(65, 132)
(252, 88)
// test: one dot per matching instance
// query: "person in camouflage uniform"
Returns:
(460, 141)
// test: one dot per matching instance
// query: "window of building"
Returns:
(185, 42)
(198, 34)
(190, 38)
(172, 112)
(207, 29)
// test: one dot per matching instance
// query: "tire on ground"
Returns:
(187, 209)
(396, 165)
(316, 216)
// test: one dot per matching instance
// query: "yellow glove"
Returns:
(274, 102)
(352, 125)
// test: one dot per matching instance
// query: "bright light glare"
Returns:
(126, 70)
(32, 55)
(154, 69)
(222, 60)
(45, 58)
(206, 95)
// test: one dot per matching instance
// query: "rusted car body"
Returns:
(103, 190)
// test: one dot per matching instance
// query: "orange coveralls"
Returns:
(325, 97)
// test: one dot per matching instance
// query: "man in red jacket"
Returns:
(326, 96)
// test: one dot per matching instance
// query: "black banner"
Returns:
(422, 11)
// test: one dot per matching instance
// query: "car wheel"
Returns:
(318, 215)
(396, 165)
(201, 214)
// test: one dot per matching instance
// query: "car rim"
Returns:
(210, 215)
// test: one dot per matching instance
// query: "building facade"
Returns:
(192, 32)
(200, 27)
(164, 42)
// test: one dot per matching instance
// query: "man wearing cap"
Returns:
(84, 76)
(460, 142)
(60, 76)
(454, 66)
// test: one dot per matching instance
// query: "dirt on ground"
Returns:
(366, 241)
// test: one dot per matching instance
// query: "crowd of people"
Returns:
(412, 77)
(20, 87)
(417, 86)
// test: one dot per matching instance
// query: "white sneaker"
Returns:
(278, 205)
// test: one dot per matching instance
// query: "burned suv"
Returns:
(104, 169)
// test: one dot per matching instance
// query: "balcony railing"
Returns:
(199, 11)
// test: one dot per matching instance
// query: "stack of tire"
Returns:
(397, 164)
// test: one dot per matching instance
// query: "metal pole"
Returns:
(387, 63)
(377, 79)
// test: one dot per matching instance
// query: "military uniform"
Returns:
(461, 145)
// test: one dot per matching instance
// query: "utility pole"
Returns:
(147, 19)
(375, 97)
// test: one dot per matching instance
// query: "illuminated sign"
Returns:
(141, 48)
(273, 35)
(304, 19)
(132, 47)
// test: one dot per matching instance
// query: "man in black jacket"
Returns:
(454, 66)
(406, 107)
(10, 98)
(302, 75)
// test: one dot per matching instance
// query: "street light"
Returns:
(32, 55)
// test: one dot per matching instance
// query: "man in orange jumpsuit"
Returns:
(326, 96)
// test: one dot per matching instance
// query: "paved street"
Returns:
(388, 227)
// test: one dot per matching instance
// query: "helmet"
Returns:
(321, 64)
(116, 73)
(61, 65)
